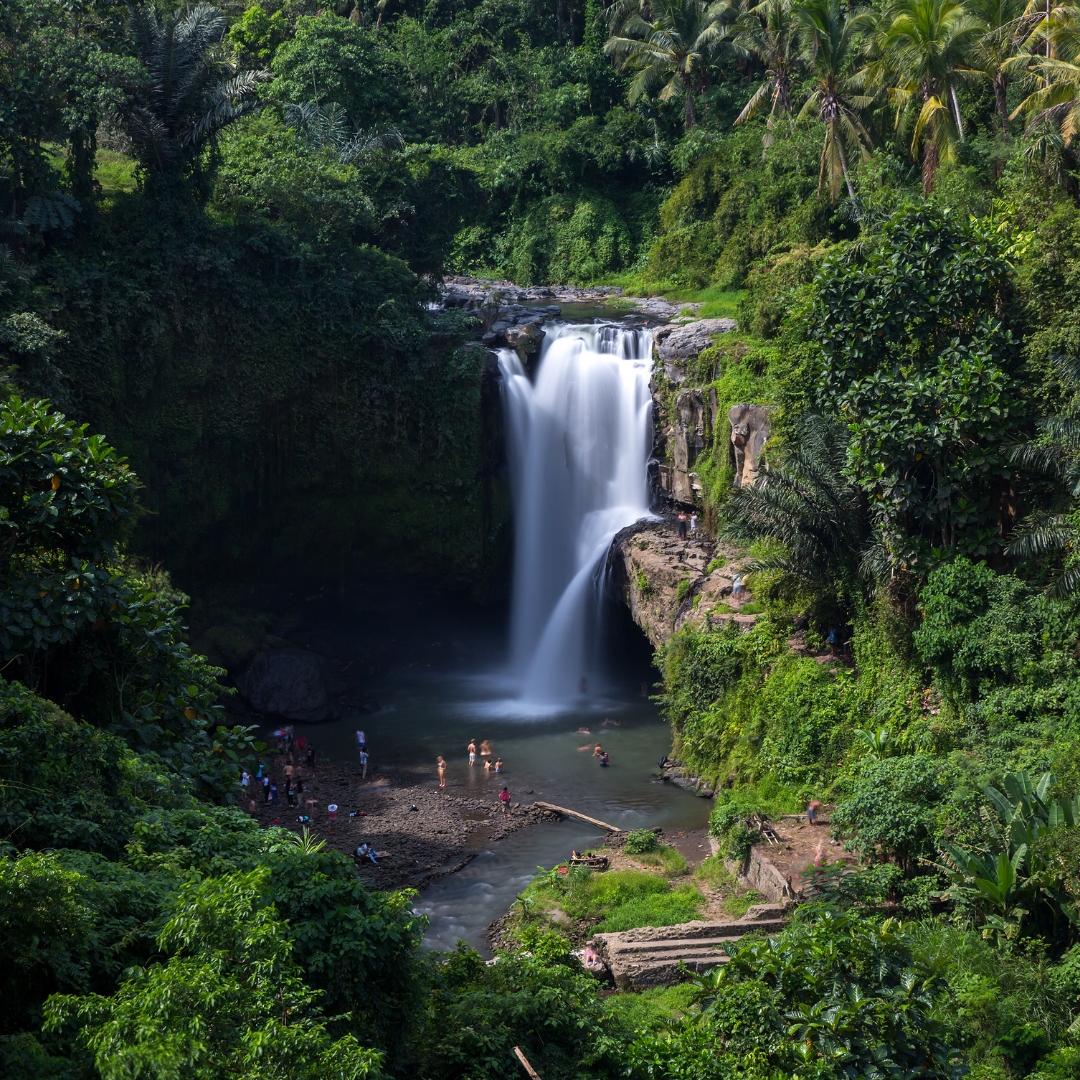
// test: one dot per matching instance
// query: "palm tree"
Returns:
(769, 33)
(1055, 453)
(193, 90)
(669, 43)
(809, 507)
(830, 39)
(922, 49)
(326, 127)
(1005, 28)
(1053, 51)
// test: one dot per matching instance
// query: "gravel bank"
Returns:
(439, 836)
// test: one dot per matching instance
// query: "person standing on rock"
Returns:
(311, 758)
(682, 525)
(472, 751)
(442, 771)
(361, 741)
(504, 801)
(693, 525)
(363, 764)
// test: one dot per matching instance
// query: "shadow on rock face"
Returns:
(290, 683)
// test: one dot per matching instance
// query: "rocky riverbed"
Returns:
(426, 832)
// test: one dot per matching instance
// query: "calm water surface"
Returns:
(436, 668)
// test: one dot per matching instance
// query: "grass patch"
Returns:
(114, 172)
(654, 909)
(667, 859)
(713, 873)
(753, 608)
(719, 303)
(738, 906)
(621, 899)
(651, 1010)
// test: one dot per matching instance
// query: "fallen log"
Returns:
(576, 814)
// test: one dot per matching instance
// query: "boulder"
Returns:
(749, 433)
(290, 683)
(525, 338)
(677, 345)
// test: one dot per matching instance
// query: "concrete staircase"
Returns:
(651, 955)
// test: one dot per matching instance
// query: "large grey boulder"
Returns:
(678, 345)
(290, 683)
(749, 434)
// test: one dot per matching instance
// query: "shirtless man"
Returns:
(472, 751)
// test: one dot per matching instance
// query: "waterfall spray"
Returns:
(578, 448)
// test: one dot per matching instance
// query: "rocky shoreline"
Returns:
(473, 293)
(427, 832)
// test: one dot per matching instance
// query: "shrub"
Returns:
(640, 841)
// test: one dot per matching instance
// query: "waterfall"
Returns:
(578, 445)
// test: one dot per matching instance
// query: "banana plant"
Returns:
(880, 743)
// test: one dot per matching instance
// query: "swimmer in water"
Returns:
(597, 750)
(583, 731)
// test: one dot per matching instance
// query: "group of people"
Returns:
(486, 754)
(684, 522)
(598, 751)
(491, 763)
(293, 750)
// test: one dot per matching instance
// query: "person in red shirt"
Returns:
(504, 800)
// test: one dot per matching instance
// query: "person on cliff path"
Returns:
(363, 764)
(504, 801)
(812, 811)
(442, 771)
(245, 779)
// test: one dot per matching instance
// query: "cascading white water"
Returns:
(579, 441)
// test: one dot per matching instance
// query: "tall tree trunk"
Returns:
(843, 162)
(1002, 105)
(931, 159)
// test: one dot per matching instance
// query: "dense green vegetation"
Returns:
(222, 230)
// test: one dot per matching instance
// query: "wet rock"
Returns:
(290, 683)
(525, 339)
(678, 345)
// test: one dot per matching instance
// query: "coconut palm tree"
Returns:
(669, 44)
(922, 50)
(830, 38)
(192, 90)
(769, 33)
(1053, 52)
(1006, 26)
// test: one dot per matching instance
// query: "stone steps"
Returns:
(652, 955)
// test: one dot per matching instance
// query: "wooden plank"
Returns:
(524, 1061)
(575, 814)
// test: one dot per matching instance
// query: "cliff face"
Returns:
(649, 565)
(685, 418)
